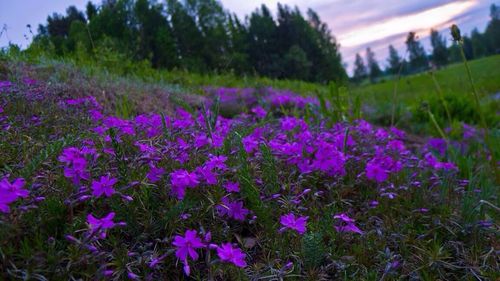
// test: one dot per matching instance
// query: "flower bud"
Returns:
(455, 33)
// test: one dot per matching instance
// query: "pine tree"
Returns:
(479, 43)
(359, 69)
(326, 58)
(394, 61)
(262, 42)
(91, 10)
(373, 67)
(492, 32)
(418, 58)
(439, 50)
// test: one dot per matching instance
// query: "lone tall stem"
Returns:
(395, 92)
(474, 91)
(480, 112)
(441, 97)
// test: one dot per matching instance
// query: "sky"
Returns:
(356, 24)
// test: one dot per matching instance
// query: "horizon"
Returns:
(362, 24)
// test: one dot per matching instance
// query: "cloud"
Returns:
(424, 20)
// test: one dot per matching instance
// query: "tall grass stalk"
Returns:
(441, 96)
(395, 92)
(455, 33)
(436, 124)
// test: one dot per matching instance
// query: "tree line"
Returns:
(201, 36)
(416, 59)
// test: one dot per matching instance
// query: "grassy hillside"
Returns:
(452, 80)
(108, 67)
(117, 172)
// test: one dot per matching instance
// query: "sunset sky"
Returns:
(356, 24)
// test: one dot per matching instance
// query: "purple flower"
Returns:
(155, 174)
(16, 187)
(259, 112)
(437, 144)
(187, 245)
(216, 162)
(232, 186)
(396, 145)
(374, 171)
(346, 224)
(228, 253)
(207, 175)
(290, 123)
(104, 186)
(231, 209)
(432, 162)
(343, 217)
(76, 164)
(182, 179)
(10, 192)
(101, 225)
(468, 131)
(295, 223)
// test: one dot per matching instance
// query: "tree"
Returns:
(238, 45)
(188, 38)
(418, 58)
(373, 67)
(155, 42)
(200, 36)
(297, 65)
(326, 58)
(58, 29)
(492, 33)
(263, 42)
(91, 10)
(394, 61)
(439, 50)
(479, 43)
(468, 49)
(359, 69)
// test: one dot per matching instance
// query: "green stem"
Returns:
(441, 97)
(493, 161)
(474, 91)
(438, 128)
(395, 92)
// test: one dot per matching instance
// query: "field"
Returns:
(453, 84)
(116, 171)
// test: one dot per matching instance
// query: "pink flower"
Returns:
(187, 245)
(232, 186)
(295, 223)
(227, 253)
(104, 186)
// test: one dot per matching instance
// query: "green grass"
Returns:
(415, 89)
(452, 80)
(377, 99)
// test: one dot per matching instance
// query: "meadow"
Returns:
(111, 170)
